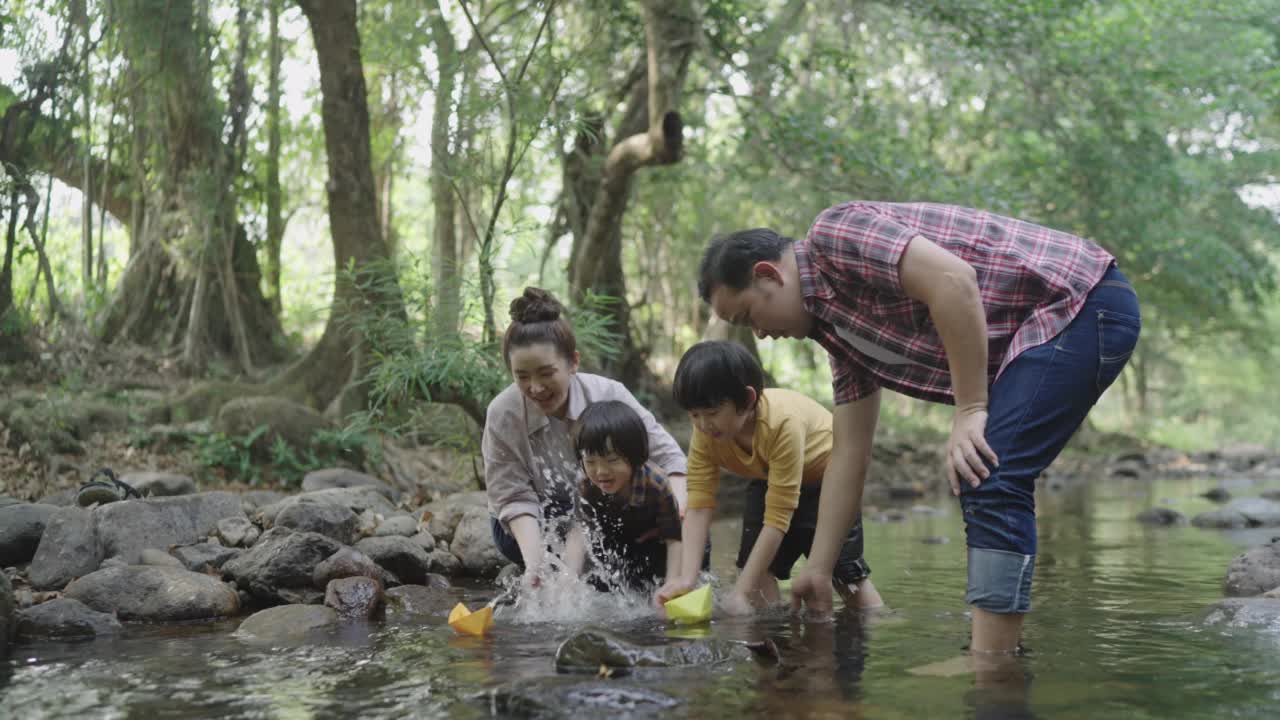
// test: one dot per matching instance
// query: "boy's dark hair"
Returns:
(729, 258)
(714, 371)
(538, 317)
(611, 426)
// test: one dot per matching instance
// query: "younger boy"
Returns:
(780, 440)
(625, 506)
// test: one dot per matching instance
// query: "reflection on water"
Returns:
(1113, 634)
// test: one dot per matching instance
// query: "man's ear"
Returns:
(767, 270)
(751, 398)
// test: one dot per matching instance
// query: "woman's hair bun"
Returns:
(536, 305)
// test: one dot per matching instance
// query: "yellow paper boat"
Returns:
(690, 608)
(465, 622)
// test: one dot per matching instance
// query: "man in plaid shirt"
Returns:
(1019, 326)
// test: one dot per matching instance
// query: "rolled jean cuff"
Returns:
(1000, 581)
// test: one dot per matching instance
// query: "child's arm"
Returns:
(673, 559)
(575, 550)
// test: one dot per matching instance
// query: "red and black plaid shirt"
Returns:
(1033, 281)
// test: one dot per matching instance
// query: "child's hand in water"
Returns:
(670, 591)
(736, 604)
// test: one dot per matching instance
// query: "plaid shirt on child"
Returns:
(1033, 281)
(647, 512)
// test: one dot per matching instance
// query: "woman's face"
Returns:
(542, 375)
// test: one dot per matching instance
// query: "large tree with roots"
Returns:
(193, 279)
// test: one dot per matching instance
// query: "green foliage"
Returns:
(243, 458)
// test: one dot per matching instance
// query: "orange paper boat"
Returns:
(465, 622)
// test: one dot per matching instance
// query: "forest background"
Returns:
(267, 237)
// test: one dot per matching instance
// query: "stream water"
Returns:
(1115, 632)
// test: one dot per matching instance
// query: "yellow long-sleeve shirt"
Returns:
(789, 447)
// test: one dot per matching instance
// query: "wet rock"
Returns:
(573, 697)
(344, 478)
(1245, 612)
(65, 618)
(350, 563)
(253, 500)
(113, 562)
(424, 540)
(1255, 571)
(403, 525)
(68, 549)
(437, 582)
(1245, 512)
(1161, 516)
(279, 567)
(401, 556)
(446, 513)
(1259, 511)
(126, 528)
(160, 558)
(1271, 494)
(588, 650)
(355, 499)
(355, 598)
(6, 501)
(419, 600)
(8, 611)
(160, 484)
(332, 521)
(1220, 519)
(204, 557)
(237, 532)
(21, 525)
(285, 623)
(445, 562)
(155, 594)
(473, 544)
(1218, 494)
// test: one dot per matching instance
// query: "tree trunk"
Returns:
(86, 206)
(6, 270)
(445, 271)
(275, 221)
(330, 374)
(671, 32)
(215, 309)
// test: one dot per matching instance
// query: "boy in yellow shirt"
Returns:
(780, 440)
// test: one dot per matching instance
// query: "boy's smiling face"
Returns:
(610, 473)
(724, 421)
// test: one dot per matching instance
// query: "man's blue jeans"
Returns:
(1035, 406)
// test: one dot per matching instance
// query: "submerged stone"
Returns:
(589, 650)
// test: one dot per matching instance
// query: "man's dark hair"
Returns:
(714, 371)
(729, 258)
(611, 426)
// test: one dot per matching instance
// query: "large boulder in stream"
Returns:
(281, 566)
(21, 525)
(400, 556)
(356, 598)
(1254, 612)
(591, 649)
(473, 544)
(65, 618)
(343, 478)
(286, 624)
(1255, 571)
(155, 593)
(332, 521)
(1242, 513)
(76, 540)
(356, 499)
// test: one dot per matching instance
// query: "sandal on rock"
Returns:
(103, 488)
